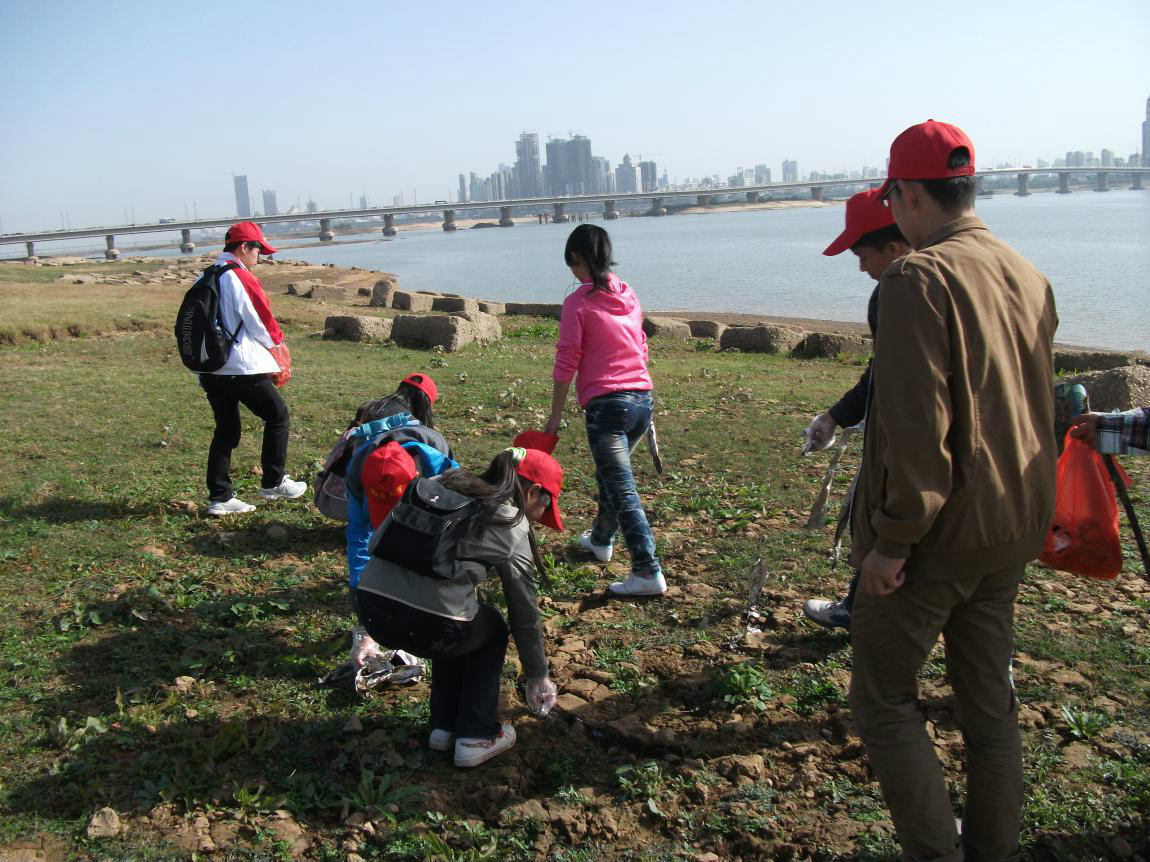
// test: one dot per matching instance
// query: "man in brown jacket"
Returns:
(955, 496)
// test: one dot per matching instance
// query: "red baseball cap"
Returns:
(386, 473)
(248, 231)
(541, 469)
(425, 383)
(865, 213)
(540, 440)
(921, 153)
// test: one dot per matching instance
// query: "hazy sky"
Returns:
(112, 105)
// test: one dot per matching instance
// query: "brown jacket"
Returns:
(958, 468)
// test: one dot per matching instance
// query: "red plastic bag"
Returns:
(282, 356)
(1084, 539)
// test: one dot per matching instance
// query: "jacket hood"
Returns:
(621, 300)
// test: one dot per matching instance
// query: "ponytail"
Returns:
(418, 402)
(590, 245)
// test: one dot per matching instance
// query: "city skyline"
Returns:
(114, 127)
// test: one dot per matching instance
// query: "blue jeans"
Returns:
(615, 423)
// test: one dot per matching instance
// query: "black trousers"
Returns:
(466, 659)
(257, 393)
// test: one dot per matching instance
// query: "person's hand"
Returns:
(882, 575)
(541, 695)
(820, 433)
(552, 426)
(1085, 428)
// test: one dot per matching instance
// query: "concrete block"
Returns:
(487, 326)
(327, 291)
(301, 288)
(357, 327)
(768, 338)
(382, 293)
(488, 307)
(1085, 359)
(363, 291)
(706, 329)
(665, 327)
(828, 345)
(411, 301)
(455, 304)
(535, 309)
(449, 332)
(1116, 388)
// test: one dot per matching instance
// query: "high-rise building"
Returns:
(626, 177)
(528, 175)
(462, 189)
(648, 176)
(1107, 160)
(1146, 136)
(475, 188)
(555, 174)
(790, 172)
(363, 202)
(312, 206)
(243, 203)
(604, 176)
(762, 175)
(570, 167)
(270, 207)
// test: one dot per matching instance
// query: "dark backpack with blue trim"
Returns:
(202, 340)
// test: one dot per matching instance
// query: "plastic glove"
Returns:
(541, 695)
(362, 647)
(819, 434)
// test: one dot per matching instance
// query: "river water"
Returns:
(1094, 248)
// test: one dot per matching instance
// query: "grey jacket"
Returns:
(505, 549)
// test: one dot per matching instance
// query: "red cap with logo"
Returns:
(922, 153)
(540, 440)
(248, 231)
(865, 213)
(541, 469)
(424, 383)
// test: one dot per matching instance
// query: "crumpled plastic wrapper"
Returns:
(380, 670)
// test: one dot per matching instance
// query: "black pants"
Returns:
(257, 393)
(466, 659)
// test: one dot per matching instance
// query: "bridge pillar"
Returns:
(389, 225)
(1064, 183)
(560, 215)
(111, 252)
(703, 200)
(186, 244)
(1023, 185)
(505, 219)
(31, 246)
(816, 193)
(753, 197)
(610, 213)
(1136, 185)
(449, 220)
(657, 208)
(1101, 185)
(325, 231)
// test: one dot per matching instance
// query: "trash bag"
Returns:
(1084, 538)
(282, 356)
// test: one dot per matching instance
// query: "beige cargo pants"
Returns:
(891, 638)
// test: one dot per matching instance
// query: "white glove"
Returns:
(541, 695)
(820, 434)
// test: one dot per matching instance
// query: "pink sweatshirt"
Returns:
(601, 339)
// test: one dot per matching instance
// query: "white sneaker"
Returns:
(440, 740)
(287, 489)
(636, 585)
(234, 506)
(472, 751)
(602, 552)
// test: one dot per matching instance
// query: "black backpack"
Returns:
(418, 534)
(201, 338)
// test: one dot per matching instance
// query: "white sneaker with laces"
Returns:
(602, 552)
(636, 585)
(287, 489)
(234, 506)
(472, 751)
(440, 740)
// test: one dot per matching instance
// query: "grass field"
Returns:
(163, 665)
